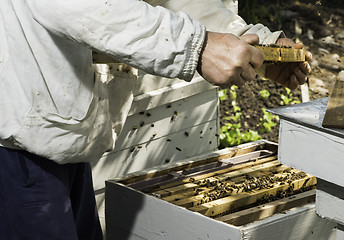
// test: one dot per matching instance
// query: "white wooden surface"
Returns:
(322, 155)
(317, 153)
(164, 126)
(134, 215)
(300, 223)
(180, 113)
(330, 201)
(164, 137)
(153, 219)
(330, 207)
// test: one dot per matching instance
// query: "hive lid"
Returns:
(309, 114)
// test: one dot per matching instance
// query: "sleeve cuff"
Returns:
(193, 53)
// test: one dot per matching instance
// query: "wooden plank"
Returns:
(315, 152)
(330, 206)
(229, 203)
(212, 174)
(187, 190)
(146, 155)
(199, 160)
(281, 54)
(235, 176)
(334, 115)
(169, 94)
(266, 210)
(301, 223)
(166, 119)
(151, 218)
(234, 186)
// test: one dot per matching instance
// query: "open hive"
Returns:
(233, 184)
(237, 188)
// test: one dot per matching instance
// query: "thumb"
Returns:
(298, 45)
(250, 38)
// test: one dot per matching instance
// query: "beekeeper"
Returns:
(54, 113)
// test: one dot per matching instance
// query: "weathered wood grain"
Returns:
(211, 174)
(210, 158)
(281, 54)
(268, 209)
(182, 192)
(229, 203)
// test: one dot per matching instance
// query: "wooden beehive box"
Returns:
(235, 193)
(167, 122)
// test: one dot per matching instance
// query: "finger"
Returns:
(285, 42)
(257, 58)
(308, 56)
(293, 83)
(305, 67)
(298, 46)
(250, 38)
(300, 76)
(239, 80)
(249, 74)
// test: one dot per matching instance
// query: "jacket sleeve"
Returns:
(216, 17)
(153, 39)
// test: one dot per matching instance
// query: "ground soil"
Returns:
(319, 26)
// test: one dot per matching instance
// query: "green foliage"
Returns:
(231, 135)
(264, 93)
(223, 94)
(267, 122)
(233, 93)
(234, 118)
(288, 99)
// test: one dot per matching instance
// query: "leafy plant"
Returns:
(223, 94)
(264, 93)
(288, 99)
(232, 92)
(231, 133)
(268, 121)
(234, 118)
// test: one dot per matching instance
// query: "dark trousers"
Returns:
(42, 200)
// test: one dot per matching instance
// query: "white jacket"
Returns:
(50, 103)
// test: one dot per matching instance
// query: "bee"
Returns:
(167, 160)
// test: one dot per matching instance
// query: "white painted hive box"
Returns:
(169, 120)
(133, 214)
